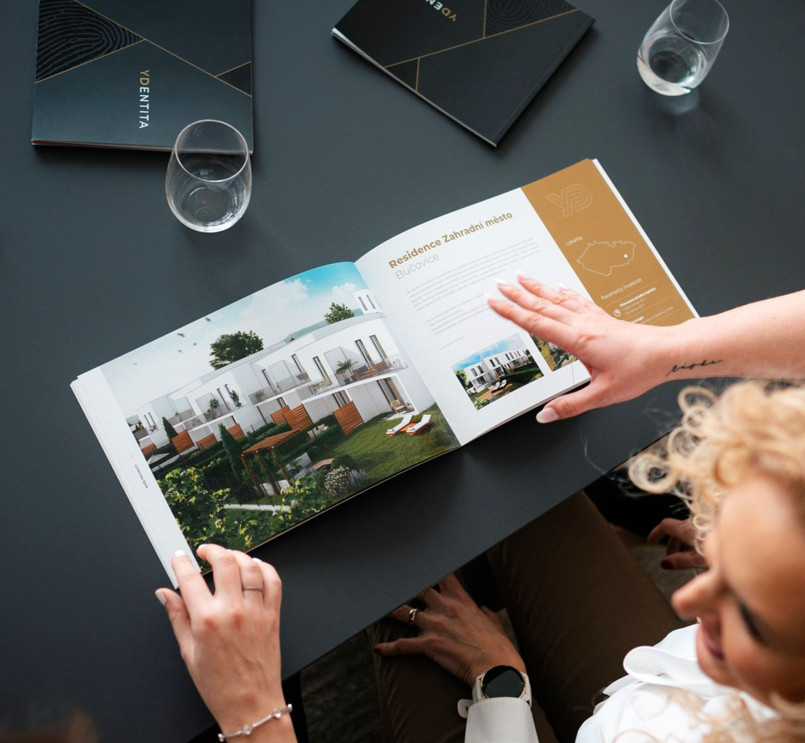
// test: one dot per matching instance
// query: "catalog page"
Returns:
(254, 418)
(570, 228)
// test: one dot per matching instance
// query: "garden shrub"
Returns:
(343, 481)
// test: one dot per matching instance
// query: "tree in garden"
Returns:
(231, 347)
(462, 377)
(338, 312)
(231, 450)
(201, 515)
(198, 511)
(170, 431)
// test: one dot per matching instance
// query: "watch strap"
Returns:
(463, 706)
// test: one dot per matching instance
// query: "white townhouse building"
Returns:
(489, 369)
(353, 361)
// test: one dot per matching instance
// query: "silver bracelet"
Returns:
(248, 729)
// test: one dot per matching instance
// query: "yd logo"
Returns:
(571, 199)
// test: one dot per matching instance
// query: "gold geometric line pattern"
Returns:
(416, 87)
(475, 41)
(89, 61)
(232, 69)
(486, 2)
(167, 51)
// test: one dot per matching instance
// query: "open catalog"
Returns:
(266, 412)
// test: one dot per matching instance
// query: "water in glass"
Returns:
(209, 178)
(680, 47)
(204, 198)
(671, 65)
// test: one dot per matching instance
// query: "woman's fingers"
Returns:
(403, 646)
(450, 586)
(683, 560)
(675, 528)
(537, 324)
(530, 301)
(271, 584)
(191, 585)
(574, 403)
(563, 296)
(252, 585)
(410, 615)
(225, 571)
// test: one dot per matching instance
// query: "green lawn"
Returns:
(380, 456)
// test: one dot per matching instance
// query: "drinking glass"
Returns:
(209, 179)
(679, 49)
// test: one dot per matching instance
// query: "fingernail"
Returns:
(665, 564)
(257, 559)
(180, 553)
(161, 598)
(547, 415)
(376, 649)
(502, 282)
(562, 287)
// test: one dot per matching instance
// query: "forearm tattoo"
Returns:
(687, 367)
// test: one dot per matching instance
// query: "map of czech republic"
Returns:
(603, 257)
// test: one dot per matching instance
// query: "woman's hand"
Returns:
(230, 639)
(680, 552)
(623, 358)
(464, 639)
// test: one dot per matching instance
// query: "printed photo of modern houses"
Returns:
(495, 371)
(262, 414)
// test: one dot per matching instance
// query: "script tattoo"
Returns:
(686, 367)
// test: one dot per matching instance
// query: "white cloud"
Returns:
(344, 294)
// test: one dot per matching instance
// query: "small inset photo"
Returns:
(496, 370)
(554, 356)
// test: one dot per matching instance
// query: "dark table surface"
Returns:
(92, 264)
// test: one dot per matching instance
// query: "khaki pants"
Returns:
(577, 602)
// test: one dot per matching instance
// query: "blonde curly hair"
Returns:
(753, 428)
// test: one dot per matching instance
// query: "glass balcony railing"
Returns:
(357, 373)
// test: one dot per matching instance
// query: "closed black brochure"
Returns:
(134, 73)
(478, 61)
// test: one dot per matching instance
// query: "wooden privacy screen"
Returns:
(348, 417)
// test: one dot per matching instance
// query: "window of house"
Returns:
(389, 390)
(324, 375)
(366, 357)
(221, 398)
(378, 346)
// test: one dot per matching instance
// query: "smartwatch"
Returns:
(502, 681)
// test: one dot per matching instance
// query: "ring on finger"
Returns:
(412, 615)
(252, 588)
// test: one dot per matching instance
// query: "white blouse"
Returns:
(665, 696)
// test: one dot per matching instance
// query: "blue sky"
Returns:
(507, 344)
(273, 313)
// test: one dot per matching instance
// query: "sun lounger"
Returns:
(421, 426)
(406, 421)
